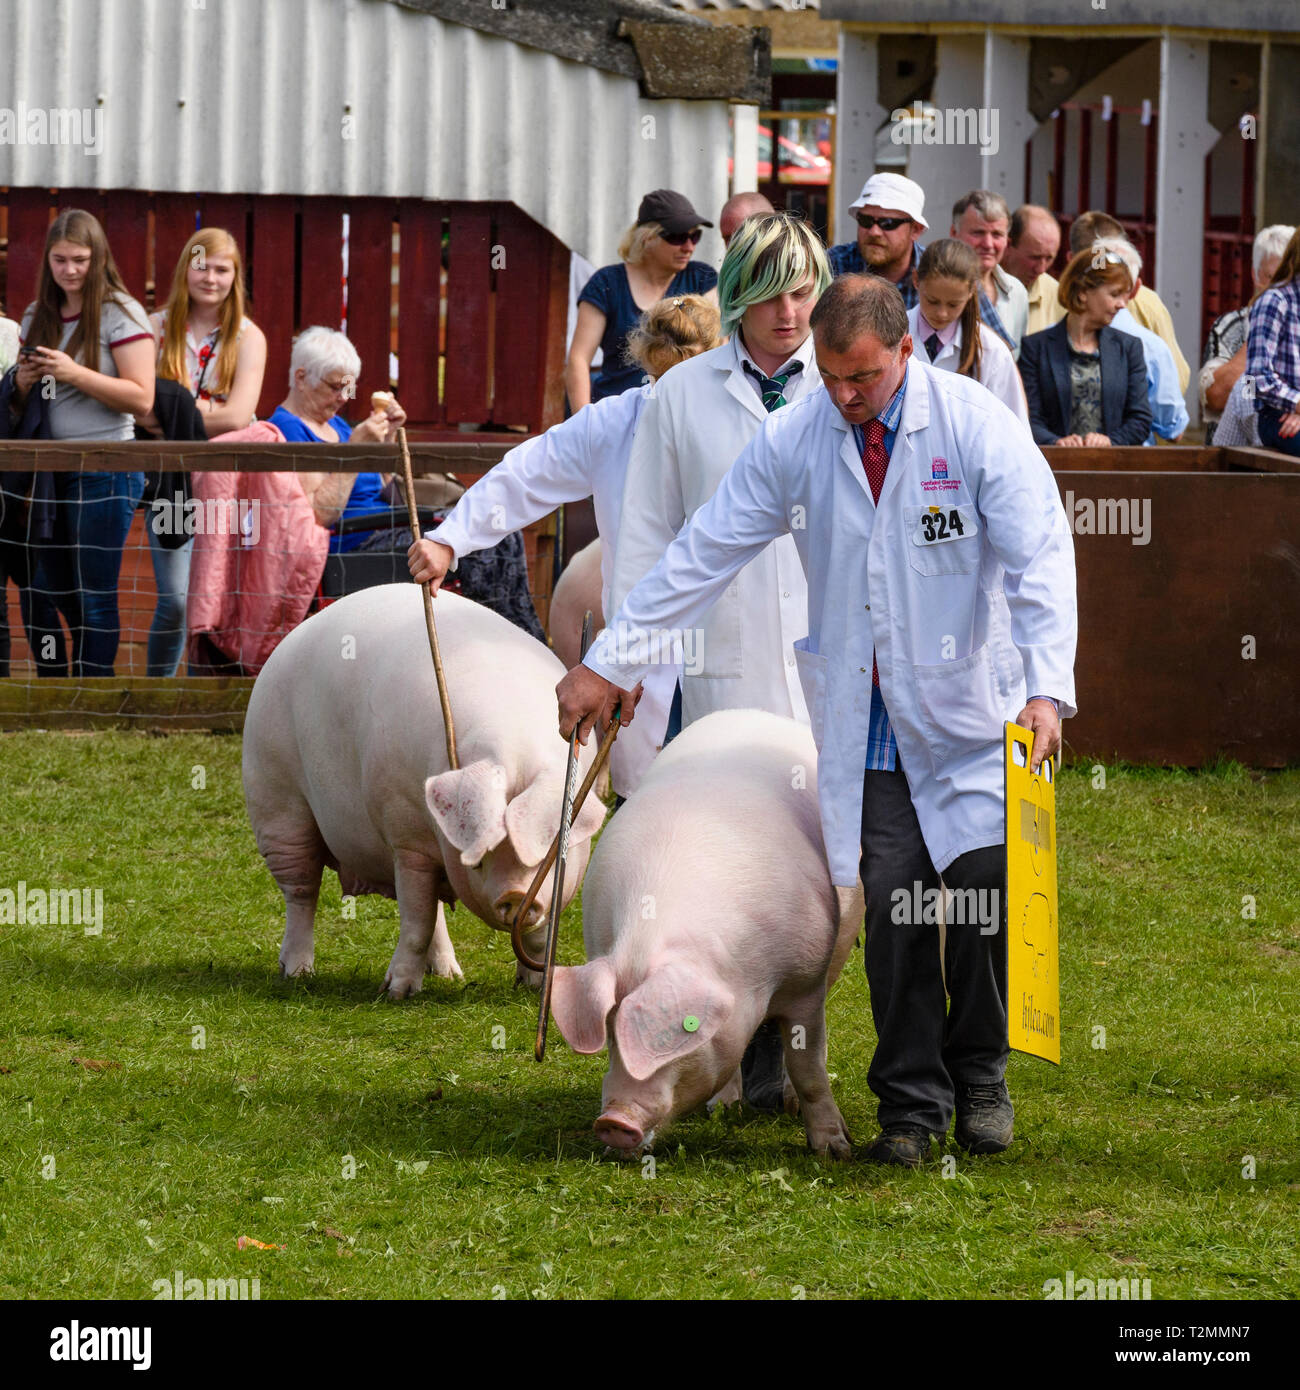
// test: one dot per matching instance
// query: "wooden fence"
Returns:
(471, 297)
(1188, 569)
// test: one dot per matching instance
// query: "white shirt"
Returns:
(998, 370)
(701, 415)
(962, 629)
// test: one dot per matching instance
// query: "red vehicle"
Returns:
(795, 163)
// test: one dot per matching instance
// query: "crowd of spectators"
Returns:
(1089, 360)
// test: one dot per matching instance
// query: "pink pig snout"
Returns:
(618, 1130)
(509, 901)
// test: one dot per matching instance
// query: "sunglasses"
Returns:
(681, 238)
(886, 224)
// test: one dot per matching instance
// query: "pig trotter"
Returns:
(441, 959)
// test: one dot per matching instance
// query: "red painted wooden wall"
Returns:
(471, 297)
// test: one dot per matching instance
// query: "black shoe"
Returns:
(762, 1069)
(985, 1118)
(905, 1146)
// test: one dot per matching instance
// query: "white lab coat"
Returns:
(998, 370)
(964, 630)
(584, 456)
(702, 414)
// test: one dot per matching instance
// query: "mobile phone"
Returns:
(28, 351)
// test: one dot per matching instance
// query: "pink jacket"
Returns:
(256, 569)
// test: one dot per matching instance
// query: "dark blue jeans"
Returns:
(75, 574)
(1269, 420)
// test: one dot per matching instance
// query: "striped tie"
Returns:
(774, 386)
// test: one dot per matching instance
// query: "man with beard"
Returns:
(888, 212)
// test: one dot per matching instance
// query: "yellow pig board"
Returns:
(1033, 976)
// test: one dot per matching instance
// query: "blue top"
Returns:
(609, 291)
(366, 495)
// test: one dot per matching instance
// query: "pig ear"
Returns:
(677, 1008)
(532, 819)
(581, 998)
(469, 807)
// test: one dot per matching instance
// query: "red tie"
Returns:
(875, 459)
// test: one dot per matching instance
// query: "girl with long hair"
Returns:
(206, 340)
(209, 345)
(88, 350)
(947, 330)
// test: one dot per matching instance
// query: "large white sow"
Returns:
(345, 767)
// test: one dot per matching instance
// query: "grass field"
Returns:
(475, 1171)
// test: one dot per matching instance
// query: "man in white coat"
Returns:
(700, 416)
(941, 602)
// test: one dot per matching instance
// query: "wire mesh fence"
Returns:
(145, 585)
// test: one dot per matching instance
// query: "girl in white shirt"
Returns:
(207, 342)
(946, 328)
(584, 456)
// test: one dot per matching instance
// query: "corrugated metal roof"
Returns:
(347, 97)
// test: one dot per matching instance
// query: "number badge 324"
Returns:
(936, 533)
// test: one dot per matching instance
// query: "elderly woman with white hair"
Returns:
(323, 373)
(1224, 359)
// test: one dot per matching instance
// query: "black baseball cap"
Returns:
(672, 211)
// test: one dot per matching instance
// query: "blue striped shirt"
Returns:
(882, 747)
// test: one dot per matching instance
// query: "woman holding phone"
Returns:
(86, 346)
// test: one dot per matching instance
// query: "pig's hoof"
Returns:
(401, 985)
(833, 1144)
(445, 968)
(790, 1098)
(291, 966)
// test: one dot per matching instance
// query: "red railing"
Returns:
(471, 297)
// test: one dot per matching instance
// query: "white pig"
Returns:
(576, 592)
(709, 907)
(345, 766)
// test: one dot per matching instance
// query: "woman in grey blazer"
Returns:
(1086, 382)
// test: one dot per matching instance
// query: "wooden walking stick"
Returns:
(557, 883)
(448, 725)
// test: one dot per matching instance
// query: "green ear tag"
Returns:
(690, 1023)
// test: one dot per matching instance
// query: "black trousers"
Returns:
(927, 1047)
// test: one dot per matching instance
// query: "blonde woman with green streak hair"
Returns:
(700, 418)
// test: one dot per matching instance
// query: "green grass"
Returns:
(477, 1174)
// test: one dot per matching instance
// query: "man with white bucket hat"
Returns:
(890, 216)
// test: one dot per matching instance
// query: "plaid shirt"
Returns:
(882, 747)
(1273, 348)
(846, 259)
